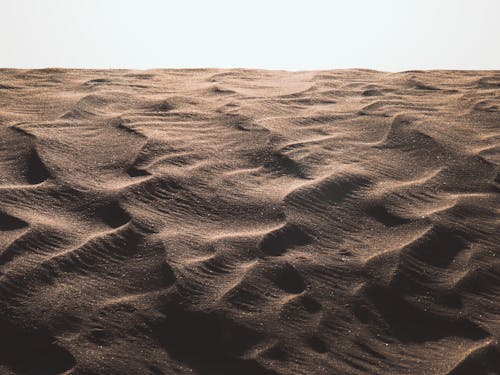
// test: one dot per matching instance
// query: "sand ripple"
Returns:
(250, 222)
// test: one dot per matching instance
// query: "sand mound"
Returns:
(249, 222)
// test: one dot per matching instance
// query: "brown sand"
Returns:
(249, 222)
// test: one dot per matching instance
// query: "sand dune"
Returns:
(249, 222)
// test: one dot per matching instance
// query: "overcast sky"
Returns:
(389, 35)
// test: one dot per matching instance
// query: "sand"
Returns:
(249, 222)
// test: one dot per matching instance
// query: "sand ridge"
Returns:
(253, 222)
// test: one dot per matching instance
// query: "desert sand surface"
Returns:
(212, 221)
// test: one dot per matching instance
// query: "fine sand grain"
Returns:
(249, 222)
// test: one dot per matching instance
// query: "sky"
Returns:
(388, 35)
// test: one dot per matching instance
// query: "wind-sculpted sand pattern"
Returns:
(249, 222)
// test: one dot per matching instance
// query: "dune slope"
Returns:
(249, 222)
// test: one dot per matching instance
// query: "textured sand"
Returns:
(249, 222)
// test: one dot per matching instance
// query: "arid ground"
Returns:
(249, 222)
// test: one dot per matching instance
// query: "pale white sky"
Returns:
(389, 35)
